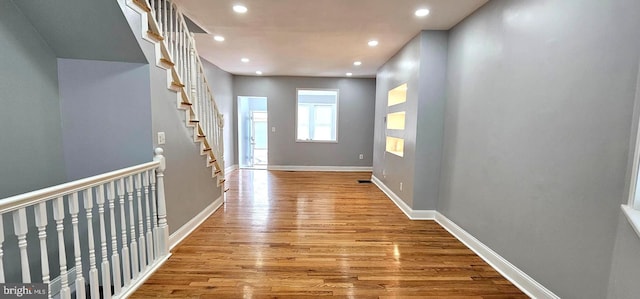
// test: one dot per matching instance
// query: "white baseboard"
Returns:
(516, 276)
(190, 226)
(321, 168)
(520, 279)
(230, 169)
(56, 284)
(406, 209)
(138, 282)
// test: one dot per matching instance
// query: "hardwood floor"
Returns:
(312, 234)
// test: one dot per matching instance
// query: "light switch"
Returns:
(273, 129)
(161, 138)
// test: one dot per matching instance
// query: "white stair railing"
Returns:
(178, 48)
(80, 202)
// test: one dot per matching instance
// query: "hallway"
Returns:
(313, 234)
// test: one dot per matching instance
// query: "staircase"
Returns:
(164, 26)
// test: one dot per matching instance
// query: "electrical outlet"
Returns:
(161, 138)
(361, 156)
(400, 186)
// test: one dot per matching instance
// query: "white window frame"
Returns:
(337, 116)
(632, 208)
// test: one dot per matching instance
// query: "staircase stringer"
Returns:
(151, 32)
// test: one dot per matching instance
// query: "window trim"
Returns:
(337, 116)
(632, 208)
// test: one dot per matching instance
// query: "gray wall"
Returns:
(81, 29)
(430, 122)
(422, 64)
(404, 67)
(538, 117)
(625, 266)
(222, 86)
(355, 119)
(189, 187)
(106, 116)
(31, 140)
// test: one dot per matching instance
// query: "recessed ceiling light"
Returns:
(349, 74)
(258, 73)
(422, 12)
(373, 43)
(245, 60)
(240, 8)
(219, 38)
(357, 63)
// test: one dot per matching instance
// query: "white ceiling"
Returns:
(319, 38)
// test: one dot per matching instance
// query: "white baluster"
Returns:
(126, 266)
(73, 210)
(94, 284)
(211, 115)
(153, 7)
(1, 251)
(193, 79)
(135, 266)
(58, 216)
(186, 63)
(159, 17)
(141, 239)
(164, 18)
(163, 235)
(201, 92)
(20, 229)
(104, 266)
(171, 35)
(184, 56)
(154, 207)
(210, 118)
(145, 184)
(40, 211)
(115, 257)
(179, 46)
(187, 66)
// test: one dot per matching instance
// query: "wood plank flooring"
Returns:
(312, 234)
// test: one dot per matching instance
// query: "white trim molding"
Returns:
(139, 281)
(230, 169)
(321, 168)
(633, 216)
(406, 209)
(194, 223)
(56, 284)
(516, 276)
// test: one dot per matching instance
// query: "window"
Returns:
(317, 115)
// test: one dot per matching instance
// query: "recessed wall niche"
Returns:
(396, 114)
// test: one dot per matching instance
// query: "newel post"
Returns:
(163, 228)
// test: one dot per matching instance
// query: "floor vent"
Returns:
(364, 181)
